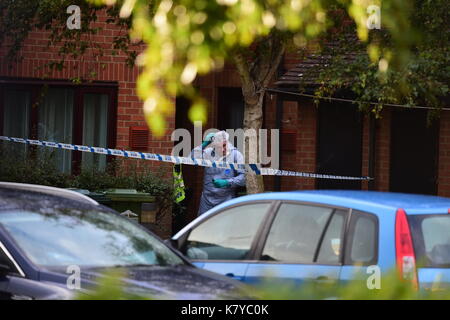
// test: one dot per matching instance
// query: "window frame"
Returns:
(347, 215)
(35, 87)
(350, 234)
(17, 270)
(322, 237)
(251, 254)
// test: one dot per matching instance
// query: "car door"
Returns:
(303, 242)
(224, 242)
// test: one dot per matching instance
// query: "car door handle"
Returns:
(324, 279)
(231, 275)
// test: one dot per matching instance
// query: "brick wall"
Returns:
(306, 156)
(365, 151)
(289, 123)
(444, 155)
(382, 150)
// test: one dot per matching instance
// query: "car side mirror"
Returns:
(171, 243)
(4, 269)
(5, 265)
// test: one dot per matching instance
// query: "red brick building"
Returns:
(100, 112)
(398, 150)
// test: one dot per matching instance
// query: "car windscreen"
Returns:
(431, 237)
(66, 237)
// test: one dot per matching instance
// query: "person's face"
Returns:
(222, 148)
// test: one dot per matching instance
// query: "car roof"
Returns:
(372, 201)
(12, 198)
(65, 193)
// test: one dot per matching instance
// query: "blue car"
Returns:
(323, 235)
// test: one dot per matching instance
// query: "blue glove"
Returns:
(221, 183)
(208, 139)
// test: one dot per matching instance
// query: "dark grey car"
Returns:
(47, 239)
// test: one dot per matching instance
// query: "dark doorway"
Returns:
(414, 148)
(230, 108)
(191, 174)
(339, 150)
(230, 114)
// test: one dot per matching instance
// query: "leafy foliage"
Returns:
(421, 81)
(19, 17)
(392, 288)
(187, 38)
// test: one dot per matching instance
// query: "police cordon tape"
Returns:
(251, 167)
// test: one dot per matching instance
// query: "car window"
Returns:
(86, 238)
(330, 248)
(295, 233)
(363, 241)
(431, 236)
(227, 235)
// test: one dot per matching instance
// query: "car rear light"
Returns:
(406, 258)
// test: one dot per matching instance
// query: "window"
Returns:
(363, 241)
(431, 238)
(95, 122)
(91, 238)
(16, 117)
(227, 235)
(295, 233)
(330, 248)
(55, 123)
(63, 113)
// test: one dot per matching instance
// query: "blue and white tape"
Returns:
(252, 167)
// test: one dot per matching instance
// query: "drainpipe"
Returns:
(372, 144)
(279, 123)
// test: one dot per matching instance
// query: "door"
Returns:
(414, 148)
(339, 149)
(192, 175)
(230, 109)
(303, 243)
(224, 242)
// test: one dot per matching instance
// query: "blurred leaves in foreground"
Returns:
(392, 288)
(187, 38)
(110, 287)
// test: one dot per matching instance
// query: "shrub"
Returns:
(120, 173)
(30, 169)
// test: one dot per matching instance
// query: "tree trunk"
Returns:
(253, 118)
(255, 77)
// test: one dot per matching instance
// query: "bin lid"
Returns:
(128, 195)
(82, 191)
